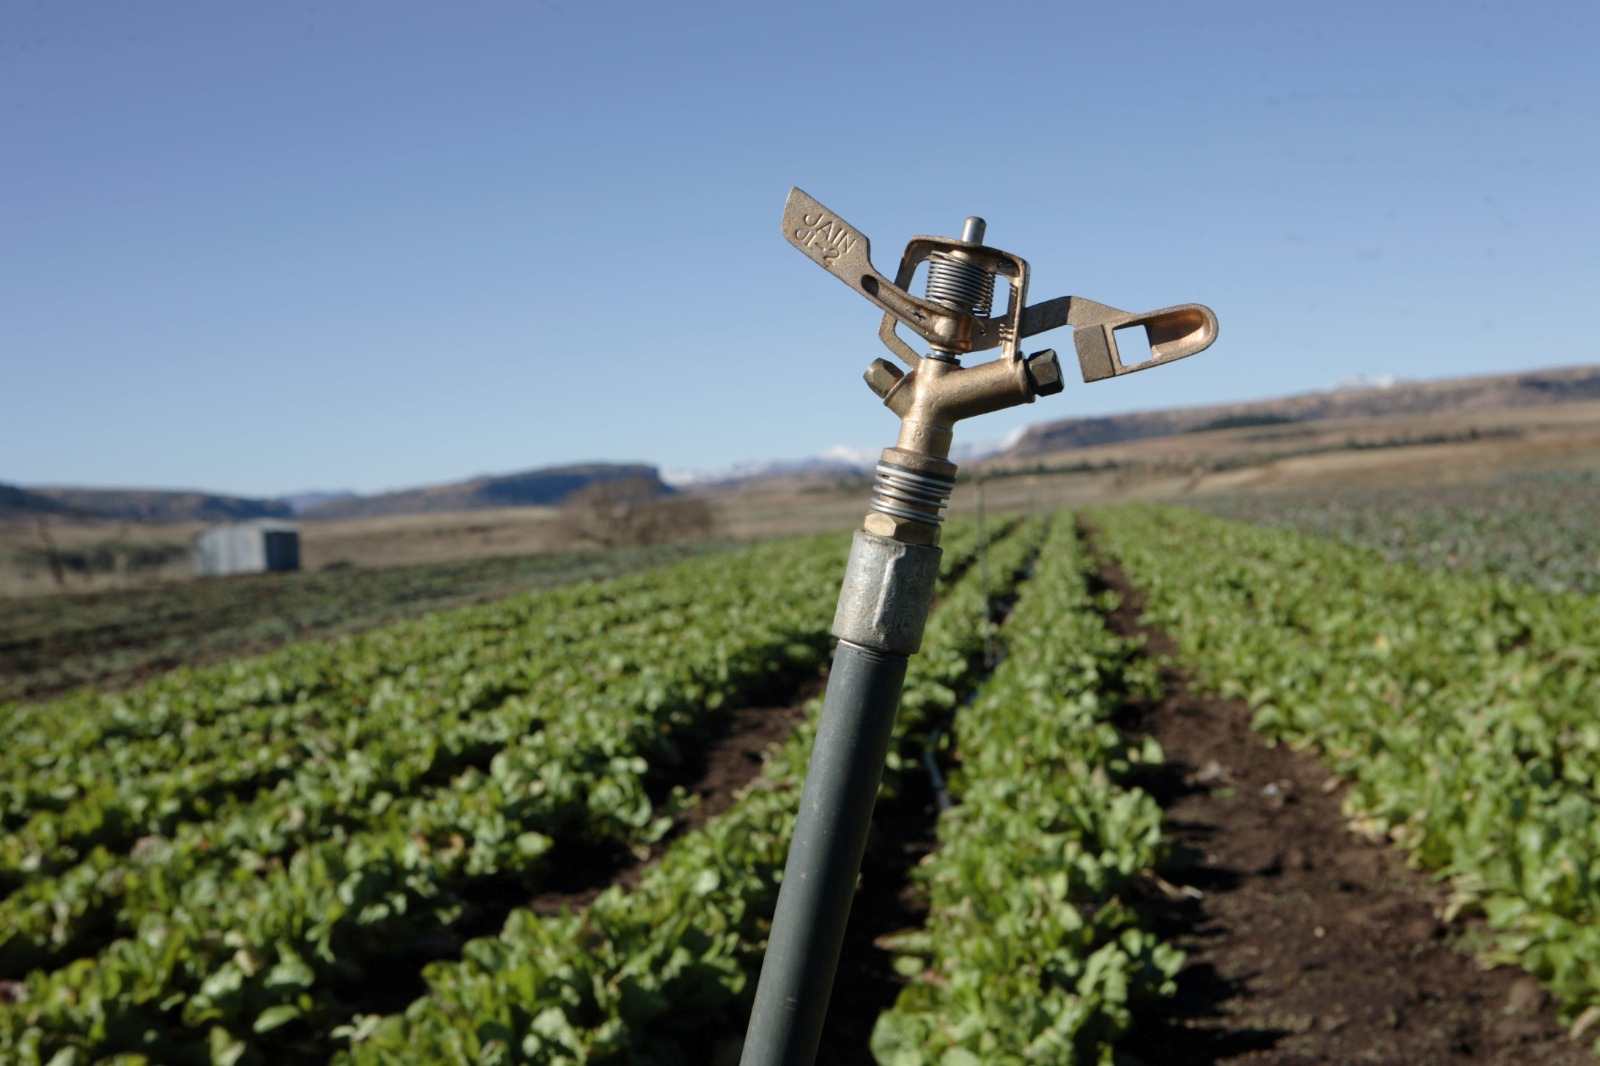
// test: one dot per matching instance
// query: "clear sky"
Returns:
(264, 247)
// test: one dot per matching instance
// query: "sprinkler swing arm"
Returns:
(894, 557)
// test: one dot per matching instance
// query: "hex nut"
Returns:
(1044, 371)
(901, 529)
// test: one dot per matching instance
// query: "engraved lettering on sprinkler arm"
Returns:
(828, 235)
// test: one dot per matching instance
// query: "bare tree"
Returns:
(52, 555)
(631, 512)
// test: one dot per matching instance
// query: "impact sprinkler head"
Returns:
(954, 318)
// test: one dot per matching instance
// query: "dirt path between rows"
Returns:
(1305, 943)
(714, 773)
(731, 759)
(716, 768)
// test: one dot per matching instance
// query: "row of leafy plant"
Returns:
(646, 975)
(54, 643)
(395, 768)
(226, 928)
(408, 700)
(67, 754)
(1031, 951)
(255, 943)
(1461, 709)
(332, 760)
(378, 713)
(173, 737)
(196, 708)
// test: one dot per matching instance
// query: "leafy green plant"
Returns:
(642, 976)
(555, 730)
(1460, 708)
(1535, 529)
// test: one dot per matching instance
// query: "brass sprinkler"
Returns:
(935, 392)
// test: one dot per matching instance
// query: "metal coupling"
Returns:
(887, 591)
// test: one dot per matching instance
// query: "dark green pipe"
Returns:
(830, 837)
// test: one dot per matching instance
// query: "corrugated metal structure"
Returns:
(247, 548)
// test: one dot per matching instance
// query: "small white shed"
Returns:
(247, 548)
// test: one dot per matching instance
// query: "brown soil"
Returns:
(1305, 943)
(713, 777)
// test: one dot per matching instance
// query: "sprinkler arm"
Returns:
(844, 251)
(1172, 333)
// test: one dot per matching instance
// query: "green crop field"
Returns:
(1462, 708)
(54, 643)
(474, 836)
(1534, 529)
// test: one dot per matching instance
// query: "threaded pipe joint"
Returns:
(915, 496)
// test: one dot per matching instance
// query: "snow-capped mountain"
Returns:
(840, 460)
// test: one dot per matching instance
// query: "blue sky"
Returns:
(266, 247)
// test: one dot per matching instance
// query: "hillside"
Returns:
(541, 487)
(136, 505)
(547, 486)
(20, 503)
(528, 488)
(1531, 389)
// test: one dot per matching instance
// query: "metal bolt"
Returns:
(972, 230)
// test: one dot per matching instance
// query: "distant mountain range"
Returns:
(19, 502)
(838, 461)
(527, 488)
(136, 505)
(1386, 396)
(550, 485)
(541, 487)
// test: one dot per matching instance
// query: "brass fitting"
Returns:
(939, 393)
(930, 401)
